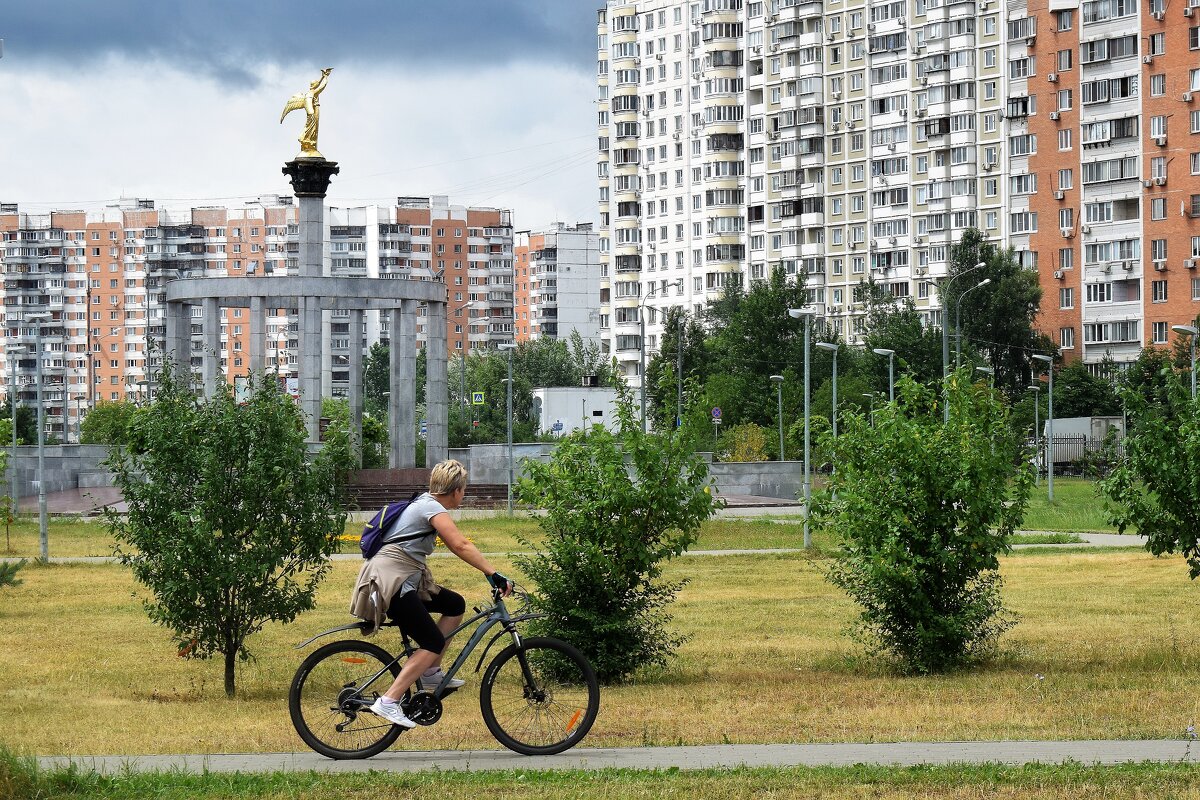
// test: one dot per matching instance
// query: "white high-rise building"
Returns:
(842, 139)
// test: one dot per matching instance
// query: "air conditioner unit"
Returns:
(988, 167)
(1085, 228)
(1067, 233)
(1147, 183)
(853, 245)
(919, 240)
(1054, 116)
(924, 81)
(1059, 195)
(836, 95)
(771, 18)
(658, 56)
(756, 49)
(1029, 42)
(1158, 15)
(676, 135)
(882, 181)
(772, 134)
(1107, 269)
(1147, 59)
(645, 112)
(1058, 273)
(652, 247)
(891, 240)
(836, 127)
(830, 36)
(1160, 266)
(1160, 181)
(775, 47)
(1052, 77)
(922, 270)
(871, 26)
(917, 48)
(1187, 97)
(892, 146)
(849, 124)
(902, 22)
(1128, 266)
(1187, 11)
(904, 113)
(1160, 140)
(637, 62)
(920, 112)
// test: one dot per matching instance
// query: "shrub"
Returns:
(8, 573)
(1154, 487)
(230, 522)
(107, 423)
(745, 442)
(924, 509)
(607, 533)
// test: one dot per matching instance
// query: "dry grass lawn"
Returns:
(1112, 635)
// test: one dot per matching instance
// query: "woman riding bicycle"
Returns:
(397, 583)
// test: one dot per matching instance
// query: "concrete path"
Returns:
(701, 757)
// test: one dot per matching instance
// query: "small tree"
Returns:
(745, 442)
(230, 522)
(1155, 487)
(8, 573)
(608, 528)
(924, 509)
(107, 423)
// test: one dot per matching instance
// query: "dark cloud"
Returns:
(227, 40)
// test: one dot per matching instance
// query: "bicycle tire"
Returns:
(566, 701)
(320, 699)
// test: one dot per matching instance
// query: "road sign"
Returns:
(557, 426)
(716, 412)
(476, 398)
(423, 429)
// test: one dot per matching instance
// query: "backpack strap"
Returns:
(412, 536)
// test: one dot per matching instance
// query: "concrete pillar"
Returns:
(356, 374)
(258, 338)
(212, 346)
(436, 420)
(403, 385)
(177, 344)
(310, 364)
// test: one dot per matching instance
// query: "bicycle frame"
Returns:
(496, 614)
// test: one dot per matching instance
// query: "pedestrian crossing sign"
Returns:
(476, 398)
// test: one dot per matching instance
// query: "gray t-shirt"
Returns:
(415, 519)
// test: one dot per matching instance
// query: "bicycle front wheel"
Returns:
(330, 695)
(540, 698)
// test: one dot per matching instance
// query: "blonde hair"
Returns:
(448, 476)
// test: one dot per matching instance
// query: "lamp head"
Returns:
(831, 346)
(981, 264)
(507, 346)
(1185, 330)
(985, 370)
(983, 282)
(805, 311)
(1042, 358)
(777, 379)
(1037, 387)
(883, 351)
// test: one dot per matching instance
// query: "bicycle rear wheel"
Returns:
(330, 694)
(540, 698)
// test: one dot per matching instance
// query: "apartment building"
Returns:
(101, 276)
(841, 139)
(557, 283)
(846, 139)
(1120, 135)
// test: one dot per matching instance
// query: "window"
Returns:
(1064, 60)
(1158, 291)
(1158, 208)
(1066, 298)
(1064, 20)
(1064, 139)
(1066, 338)
(1158, 85)
(1159, 332)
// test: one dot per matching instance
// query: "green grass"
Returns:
(1076, 507)
(19, 780)
(1050, 537)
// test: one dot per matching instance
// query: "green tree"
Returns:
(1154, 487)
(108, 423)
(924, 509)
(897, 326)
(606, 536)
(230, 522)
(1078, 393)
(997, 320)
(587, 358)
(682, 346)
(377, 370)
(26, 423)
(745, 442)
(8, 573)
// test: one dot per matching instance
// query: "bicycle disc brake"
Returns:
(424, 708)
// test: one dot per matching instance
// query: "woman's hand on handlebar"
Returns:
(500, 584)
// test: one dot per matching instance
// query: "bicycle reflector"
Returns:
(354, 660)
(574, 720)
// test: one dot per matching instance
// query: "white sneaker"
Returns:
(392, 712)
(432, 680)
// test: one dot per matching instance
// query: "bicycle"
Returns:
(538, 696)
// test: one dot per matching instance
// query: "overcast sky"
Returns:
(488, 101)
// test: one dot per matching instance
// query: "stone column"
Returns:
(258, 338)
(403, 385)
(436, 423)
(212, 346)
(310, 180)
(356, 373)
(178, 341)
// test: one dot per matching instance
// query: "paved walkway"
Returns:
(701, 757)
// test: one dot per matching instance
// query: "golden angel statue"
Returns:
(310, 102)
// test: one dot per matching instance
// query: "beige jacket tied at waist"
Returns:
(382, 577)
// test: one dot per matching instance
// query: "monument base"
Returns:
(310, 176)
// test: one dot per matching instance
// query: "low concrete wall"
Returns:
(778, 479)
(488, 463)
(68, 466)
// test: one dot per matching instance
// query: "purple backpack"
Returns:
(375, 531)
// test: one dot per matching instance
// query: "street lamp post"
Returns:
(778, 381)
(651, 292)
(39, 320)
(1191, 332)
(833, 348)
(942, 287)
(958, 319)
(10, 353)
(1037, 391)
(891, 355)
(1049, 362)
(509, 346)
(806, 313)
(991, 375)
(871, 402)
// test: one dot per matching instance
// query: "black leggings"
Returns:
(413, 614)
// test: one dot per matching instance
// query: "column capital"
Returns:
(310, 176)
